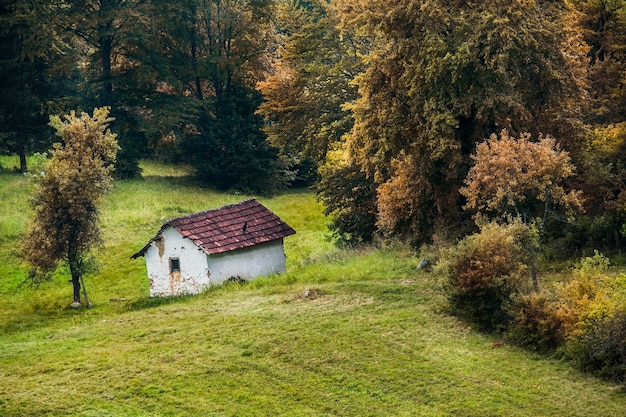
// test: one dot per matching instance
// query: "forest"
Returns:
(493, 129)
(379, 106)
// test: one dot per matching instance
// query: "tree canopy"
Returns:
(512, 176)
(440, 77)
(377, 102)
(65, 226)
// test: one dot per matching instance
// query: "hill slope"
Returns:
(354, 333)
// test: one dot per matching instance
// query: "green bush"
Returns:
(349, 197)
(601, 346)
(484, 271)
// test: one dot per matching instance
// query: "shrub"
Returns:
(586, 292)
(596, 306)
(538, 321)
(601, 346)
(484, 271)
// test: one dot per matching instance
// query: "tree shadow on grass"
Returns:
(153, 302)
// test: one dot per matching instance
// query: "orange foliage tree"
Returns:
(440, 76)
(521, 179)
(65, 226)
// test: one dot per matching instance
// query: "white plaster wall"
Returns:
(248, 263)
(193, 277)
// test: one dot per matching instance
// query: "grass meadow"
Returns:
(341, 333)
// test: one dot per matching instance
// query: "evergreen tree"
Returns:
(217, 53)
(349, 198)
(230, 150)
(104, 36)
(25, 87)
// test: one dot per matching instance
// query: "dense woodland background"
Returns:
(380, 105)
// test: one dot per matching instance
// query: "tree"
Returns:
(310, 83)
(515, 178)
(65, 226)
(26, 88)
(104, 37)
(602, 173)
(349, 197)
(441, 76)
(230, 150)
(604, 24)
(217, 51)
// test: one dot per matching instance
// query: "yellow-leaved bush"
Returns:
(583, 319)
(596, 302)
(485, 271)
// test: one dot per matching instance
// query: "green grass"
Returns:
(369, 340)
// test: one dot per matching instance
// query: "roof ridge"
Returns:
(200, 213)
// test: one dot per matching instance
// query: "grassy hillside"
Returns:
(131, 215)
(342, 333)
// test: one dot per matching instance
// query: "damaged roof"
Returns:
(228, 228)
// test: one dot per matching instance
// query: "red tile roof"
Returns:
(228, 228)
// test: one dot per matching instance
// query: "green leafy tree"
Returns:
(65, 226)
(217, 53)
(104, 37)
(27, 89)
(443, 75)
(349, 198)
(231, 150)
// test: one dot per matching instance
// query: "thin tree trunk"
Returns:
(107, 83)
(75, 269)
(76, 284)
(87, 303)
(105, 40)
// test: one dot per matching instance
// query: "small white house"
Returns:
(193, 252)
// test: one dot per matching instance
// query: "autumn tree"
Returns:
(310, 83)
(604, 30)
(440, 77)
(65, 226)
(602, 173)
(518, 179)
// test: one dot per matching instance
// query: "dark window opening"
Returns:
(174, 265)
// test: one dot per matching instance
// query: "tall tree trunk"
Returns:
(22, 153)
(194, 53)
(107, 83)
(105, 40)
(75, 281)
